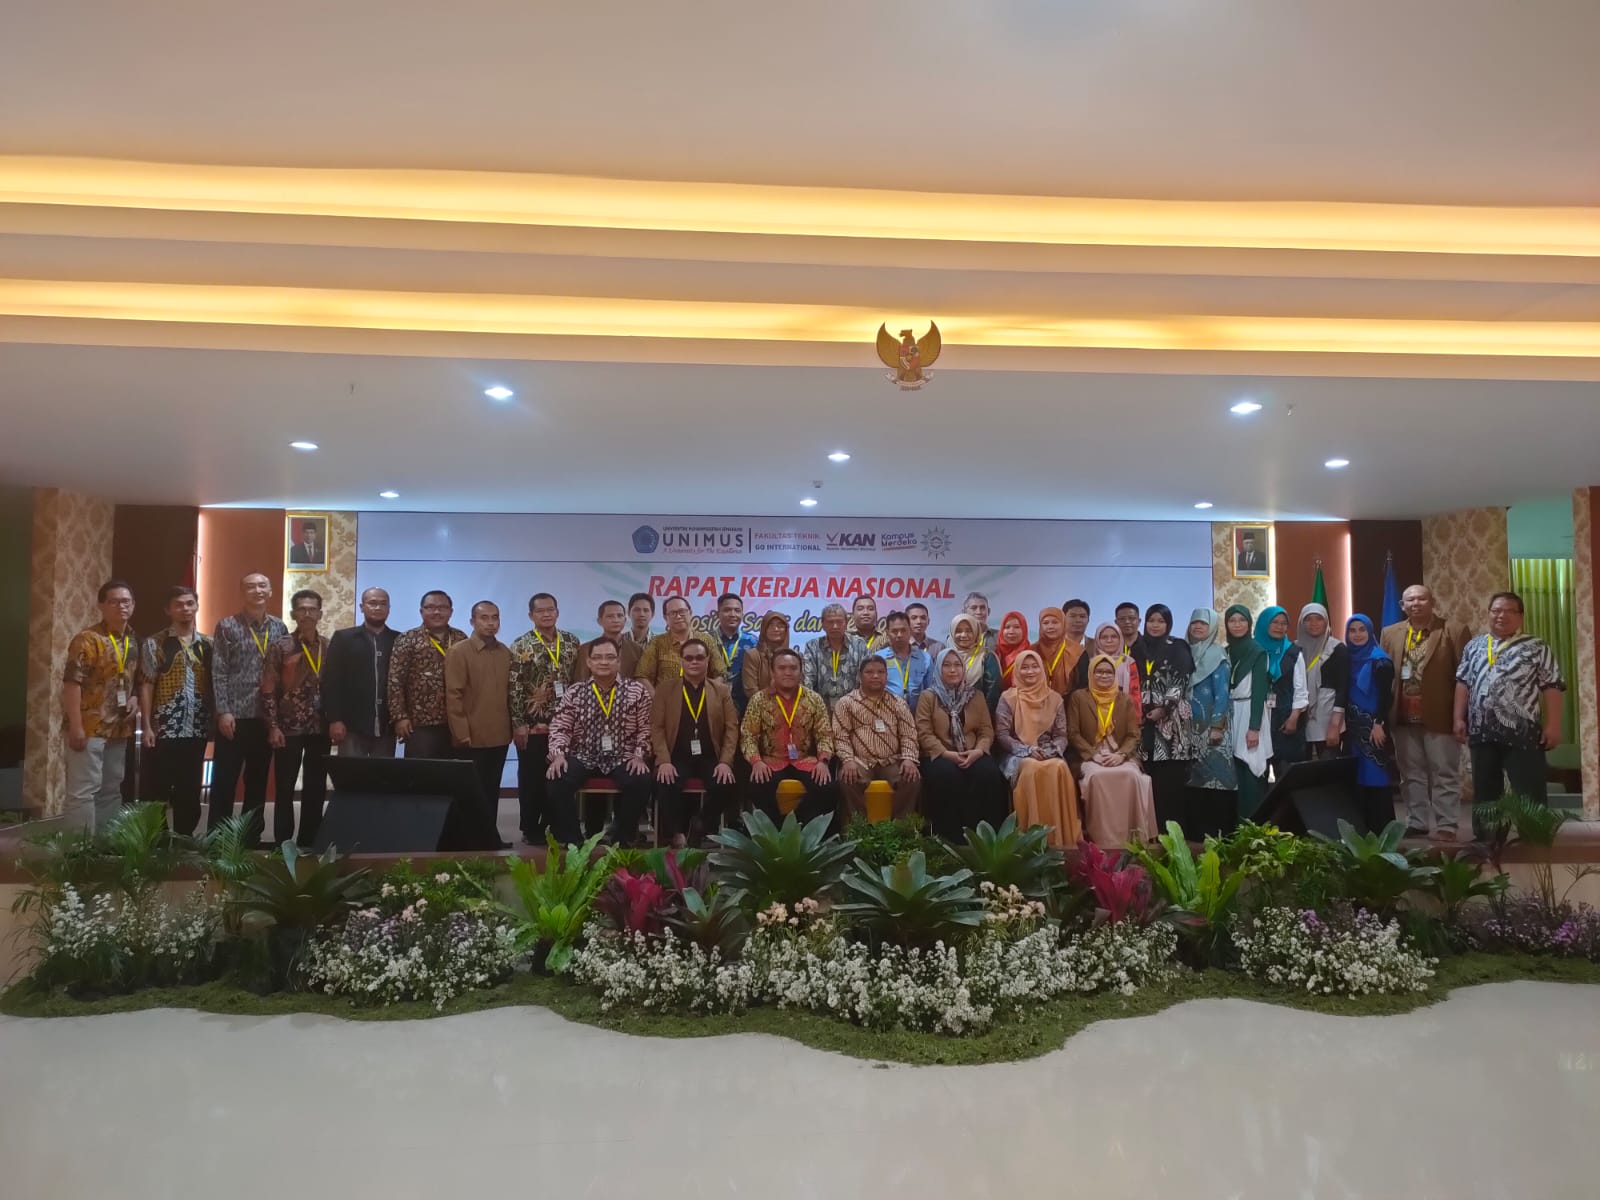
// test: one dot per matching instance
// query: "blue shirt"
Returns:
(733, 658)
(907, 680)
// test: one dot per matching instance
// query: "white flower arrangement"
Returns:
(1354, 956)
(378, 959)
(662, 973)
(112, 943)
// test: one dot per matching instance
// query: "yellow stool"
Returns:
(790, 793)
(880, 801)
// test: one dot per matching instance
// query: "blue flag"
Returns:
(1392, 614)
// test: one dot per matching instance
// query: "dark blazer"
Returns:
(722, 718)
(355, 680)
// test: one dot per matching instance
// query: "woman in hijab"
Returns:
(1370, 695)
(1249, 685)
(1327, 680)
(1013, 640)
(1213, 782)
(1060, 654)
(1164, 665)
(961, 783)
(1031, 729)
(1286, 671)
(981, 667)
(756, 673)
(1108, 641)
(1118, 801)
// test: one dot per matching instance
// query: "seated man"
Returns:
(876, 739)
(694, 730)
(601, 728)
(787, 735)
(909, 665)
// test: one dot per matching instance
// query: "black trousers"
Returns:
(1169, 780)
(1213, 812)
(431, 741)
(247, 753)
(682, 812)
(1492, 762)
(490, 763)
(955, 800)
(1377, 806)
(173, 770)
(311, 750)
(561, 801)
(818, 799)
(532, 786)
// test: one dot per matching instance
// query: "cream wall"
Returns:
(1254, 594)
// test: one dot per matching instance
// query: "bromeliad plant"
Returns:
(714, 922)
(1009, 856)
(1372, 872)
(904, 905)
(765, 864)
(289, 897)
(1200, 899)
(553, 905)
(1516, 819)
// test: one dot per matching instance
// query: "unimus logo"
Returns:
(646, 539)
(936, 542)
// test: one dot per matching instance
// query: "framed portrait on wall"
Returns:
(1252, 552)
(306, 537)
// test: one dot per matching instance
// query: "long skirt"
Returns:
(955, 800)
(1119, 804)
(1042, 793)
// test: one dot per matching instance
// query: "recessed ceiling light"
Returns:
(838, 456)
(1204, 504)
(498, 392)
(303, 445)
(1245, 407)
(1334, 464)
(808, 502)
(389, 495)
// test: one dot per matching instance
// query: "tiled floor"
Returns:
(1495, 1092)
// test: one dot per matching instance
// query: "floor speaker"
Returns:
(1312, 797)
(405, 806)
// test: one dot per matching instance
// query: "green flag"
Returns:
(1319, 590)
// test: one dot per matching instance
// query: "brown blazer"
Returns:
(666, 711)
(1083, 724)
(631, 654)
(933, 725)
(756, 672)
(1442, 650)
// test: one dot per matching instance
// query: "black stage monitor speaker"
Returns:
(1311, 797)
(404, 806)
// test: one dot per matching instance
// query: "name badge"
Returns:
(122, 695)
(1405, 671)
(880, 727)
(607, 742)
(561, 689)
(794, 752)
(694, 747)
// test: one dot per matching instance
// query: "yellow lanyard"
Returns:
(789, 714)
(1414, 638)
(694, 713)
(1105, 719)
(835, 667)
(555, 657)
(1149, 665)
(122, 651)
(436, 645)
(726, 657)
(976, 654)
(605, 704)
(905, 674)
(316, 663)
(1490, 637)
(188, 649)
(1312, 665)
(1054, 662)
(261, 642)
(1006, 670)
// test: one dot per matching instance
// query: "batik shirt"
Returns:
(833, 673)
(105, 667)
(663, 661)
(538, 663)
(875, 730)
(291, 685)
(582, 725)
(239, 651)
(180, 680)
(767, 730)
(416, 675)
(1504, 698)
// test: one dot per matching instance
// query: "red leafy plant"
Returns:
(1121, 889)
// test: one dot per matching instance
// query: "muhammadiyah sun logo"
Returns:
(936, 542)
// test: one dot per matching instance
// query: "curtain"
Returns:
(1548, 597)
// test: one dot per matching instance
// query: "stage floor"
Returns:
(1495, 1092)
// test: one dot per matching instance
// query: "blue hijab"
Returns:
(1276, 648)
(1362, 659)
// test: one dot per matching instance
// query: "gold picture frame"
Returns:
(305, 541)
(1252, 552)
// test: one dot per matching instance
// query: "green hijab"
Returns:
(1243, 652)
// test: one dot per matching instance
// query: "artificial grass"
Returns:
(1039, 1031)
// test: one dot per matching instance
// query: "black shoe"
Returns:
(1413, 832)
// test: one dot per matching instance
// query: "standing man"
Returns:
(876, 739)
(918, 613)
(786, 734)
(976, 606)
(355, 682)
(1508, 705)
(544, 663)
(662, 665)
(641, 611)
(291, 703)
(416, 680)
(601, 729)
(833, 661)
(1128, 625)
(1426, 652)
(240, 645)
(908, 665)
(612, 617)
(1077, 613)
(864, 622)
(175, 698)
(732, 641)
(477, 690)
(694, 731)
(101, 708)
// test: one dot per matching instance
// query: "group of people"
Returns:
(1107, 736)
